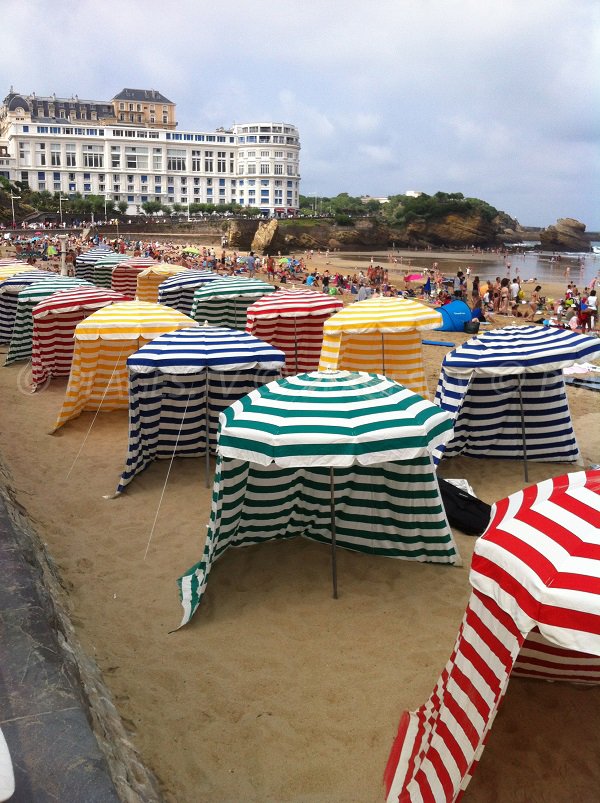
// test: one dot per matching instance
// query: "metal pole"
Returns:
(382, 354)
(333, 544)
(207, 434)
(296, 344)
(63, 254)
(525, 470)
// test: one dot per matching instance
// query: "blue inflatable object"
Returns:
(454, 316)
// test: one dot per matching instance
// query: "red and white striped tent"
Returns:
(292, 321)
(125, 275)
(54, 322)
(534, 611)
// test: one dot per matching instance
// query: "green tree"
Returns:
(122, 206)
(152, 207)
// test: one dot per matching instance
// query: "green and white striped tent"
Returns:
(336, 456)
(22, 334)
(103, 269)
(224, 302)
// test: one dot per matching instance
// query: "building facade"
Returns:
(96, 148)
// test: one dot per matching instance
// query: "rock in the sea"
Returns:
(567, 235)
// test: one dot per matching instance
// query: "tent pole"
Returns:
(525, 469)
(382, 354)
(333, 544)
(207, 434)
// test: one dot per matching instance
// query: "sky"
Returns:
(497, 99)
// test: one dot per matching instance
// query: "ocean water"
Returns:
(543, 266)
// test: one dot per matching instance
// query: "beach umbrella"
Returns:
(285, 261)
(190, 250)
(178, 291)
(534, 611)
(102, 270)
(149, 280)
(125, 274)
(54, 322)
(506, 392)
(103, 341)
(337, 456)
(180, 382)
(9, 290)
(381, 335)
(21, 338)
(292, 320)
(225, 301)
(414, 277)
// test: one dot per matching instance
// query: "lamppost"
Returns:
(60, 200)
(13, 198)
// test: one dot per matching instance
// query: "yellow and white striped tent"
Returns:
(148, 280)
(99, 379)
(8, 270)
(380, 335)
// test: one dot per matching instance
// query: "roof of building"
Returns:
(141, 95)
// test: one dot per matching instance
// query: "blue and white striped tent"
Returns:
(9, 291)
(178, 291)
(506, 392)
(180, 379)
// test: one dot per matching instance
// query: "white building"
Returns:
(250, 164)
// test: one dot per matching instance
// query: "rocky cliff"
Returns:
(567, 235)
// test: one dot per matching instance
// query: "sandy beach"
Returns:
(274, 692)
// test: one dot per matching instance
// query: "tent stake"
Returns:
(525, 470)
(333, 545)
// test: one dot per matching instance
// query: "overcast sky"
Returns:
(496, 99)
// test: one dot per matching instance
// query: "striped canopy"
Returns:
(124, 278)
(102, 270)
(292, 320)
(11, 268)
(21, 339)
(9, 290)
(482, 382)
(85, 262)
(534, 611)
(54, 322)
(180, 379)
(298, 452)
(178, 291)
(8, 261)
(149, 280)
(103, 341)
(380, 335)
(224, 302)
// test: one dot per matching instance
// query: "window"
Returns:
(290, 170)
(136, 158)
(175, 159)
(70, 155)
(264, 154)
(221, 162)
(157, 190)
(279, 154)
(40, 154)
(264, 169)
(130, 188)
(208, 162)
(87, 187)
(121, 105)
(157, 159)
(24, 153)
(57, 186)
(93, 156)
(221, 182)
(251, 169)
(41, 176)
(279, 170)
(196, 161)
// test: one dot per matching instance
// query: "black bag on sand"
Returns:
(465, 512)
(471, 327)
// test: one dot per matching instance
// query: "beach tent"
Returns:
(21, 339)
(149, 280)
(102, 270)
(178, 291)
(225, 301)
(454, 316)
(84, 263)
(178, 385)
(292, 320)
(338, 457)
(506, 392)
(380, 335)
(9, 291)
(54, 322)
(125, 274)
(99, 378)
(10, 268)
(534, 611)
